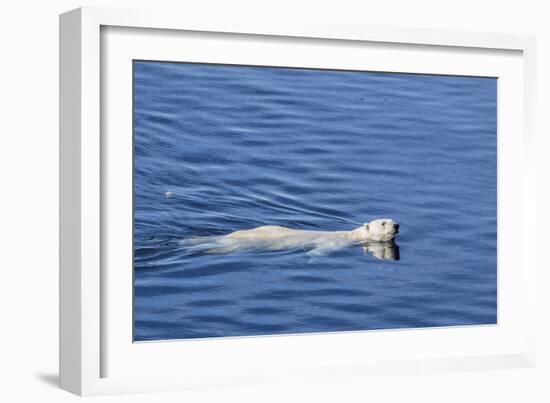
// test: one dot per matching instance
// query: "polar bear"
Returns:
(317, 243)
(380, 230)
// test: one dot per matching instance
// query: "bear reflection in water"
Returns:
(382, 250)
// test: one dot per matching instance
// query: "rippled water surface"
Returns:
(223, 148)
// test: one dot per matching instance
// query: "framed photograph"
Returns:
(245, 202)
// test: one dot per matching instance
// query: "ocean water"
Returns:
(222, 148)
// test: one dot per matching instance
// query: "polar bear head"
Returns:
(381, 230)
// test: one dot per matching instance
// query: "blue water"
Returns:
(240, 147)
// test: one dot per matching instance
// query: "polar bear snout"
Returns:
(396, 228)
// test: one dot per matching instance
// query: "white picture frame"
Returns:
(96, 355)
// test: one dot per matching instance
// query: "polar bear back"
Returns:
(265, 232)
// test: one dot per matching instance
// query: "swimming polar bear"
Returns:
(318, 243)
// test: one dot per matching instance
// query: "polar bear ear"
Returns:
(366, 226)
